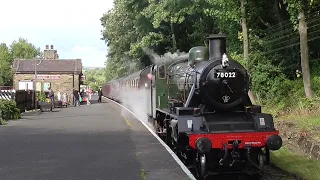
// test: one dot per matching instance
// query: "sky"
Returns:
(73, 27)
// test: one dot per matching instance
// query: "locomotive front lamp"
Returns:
(274, 142)
(203, 145)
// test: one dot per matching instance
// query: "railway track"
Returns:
(270, 173)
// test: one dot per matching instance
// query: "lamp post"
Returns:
(35, 80)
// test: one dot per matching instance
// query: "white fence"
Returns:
(7, 94)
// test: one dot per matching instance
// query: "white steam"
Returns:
(137, 101)
(166, 58)
(130, 65)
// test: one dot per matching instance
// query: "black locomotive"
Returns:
(201, 108)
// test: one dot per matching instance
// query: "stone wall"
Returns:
(298, 141)
(310, 147)
(64, 84)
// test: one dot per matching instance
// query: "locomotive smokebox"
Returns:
(217, 45)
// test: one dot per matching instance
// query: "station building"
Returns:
(61, 75)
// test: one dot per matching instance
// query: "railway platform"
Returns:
(90, 142)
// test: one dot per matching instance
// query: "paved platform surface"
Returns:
(83, 143)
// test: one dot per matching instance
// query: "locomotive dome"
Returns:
(197, 54)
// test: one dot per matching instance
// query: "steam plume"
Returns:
(165, 58)
(138, 100)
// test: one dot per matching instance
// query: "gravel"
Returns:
(270, 173)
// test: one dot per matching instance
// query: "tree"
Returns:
(245, 40)
(174, 14)
(230, 13)
(260, 36)
(95, 78)
(22, 49)
(5, 65)
(297, 10)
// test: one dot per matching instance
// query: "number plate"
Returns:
(225, 74)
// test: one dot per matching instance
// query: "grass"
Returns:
(292, 162)
(306, 122)
(309, 123)
(306, 168)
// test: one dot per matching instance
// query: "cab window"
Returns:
(162, 72)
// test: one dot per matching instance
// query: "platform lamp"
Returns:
(35, 79)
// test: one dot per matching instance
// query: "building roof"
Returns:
(48, 66)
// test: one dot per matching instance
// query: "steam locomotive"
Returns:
(200, 107)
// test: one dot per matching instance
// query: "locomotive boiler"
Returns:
(200, 107)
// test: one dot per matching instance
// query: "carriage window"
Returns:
(162, 72)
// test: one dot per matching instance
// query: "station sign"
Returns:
(50, 77)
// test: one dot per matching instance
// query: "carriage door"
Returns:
(148, 94)
(153, 91)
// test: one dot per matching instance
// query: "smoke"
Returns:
(165, 58)
(130, 65)
(137, 101)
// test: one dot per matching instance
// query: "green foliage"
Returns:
(291, 162)
(20, 49)
(9, 110)
(95, 78)
(5, 63)
(168, 25)
(2, 122)
(41, 96)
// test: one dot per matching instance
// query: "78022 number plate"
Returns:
(225, 75)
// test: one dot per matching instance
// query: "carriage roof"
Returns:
(131, 76)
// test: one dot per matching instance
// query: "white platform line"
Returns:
(175, 157)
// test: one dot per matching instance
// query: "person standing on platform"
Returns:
(51, 96)
(88, 95)
(59, 99)
(64, 100)
(76, 97)
(90, 92)
(99, 94)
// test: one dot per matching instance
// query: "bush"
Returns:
(9, 110)
(275, 90)
(41, 96)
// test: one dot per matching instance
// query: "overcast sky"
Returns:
(72, 26)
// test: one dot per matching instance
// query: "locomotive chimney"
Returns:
(217, 45)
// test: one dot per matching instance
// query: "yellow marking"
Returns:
(127, 121)
(143, 174)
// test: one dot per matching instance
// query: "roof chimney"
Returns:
(47, 46)
(51, 46)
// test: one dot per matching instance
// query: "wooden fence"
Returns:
(25, 100)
